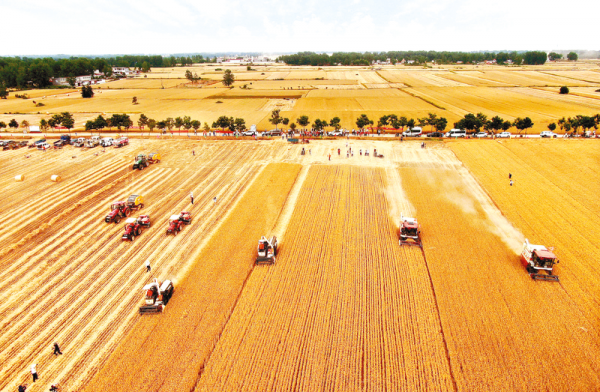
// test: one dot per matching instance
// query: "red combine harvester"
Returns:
(267, 250)
(118, 210)
(410, 232)
(176, 222)
(134, 227)
(538, 258)
(157, 296)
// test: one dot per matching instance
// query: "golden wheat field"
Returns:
(344, 307)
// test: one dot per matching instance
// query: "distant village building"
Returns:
(79, 81)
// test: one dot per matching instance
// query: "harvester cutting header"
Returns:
(267, 250)
(157, 296)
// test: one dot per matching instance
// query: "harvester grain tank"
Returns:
(267, 250)
(410, 232)
(157, 296)
(537, 259)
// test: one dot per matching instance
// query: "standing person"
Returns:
(193, 153)
(361, 151)
(53, 388)
(215, 199)
(56, 349)
(192, 197)
(309, 152)
(509, 176)
(330, 157)
(511, 182)
(34, 372)
(22, 388)
(147, 264)
(338, 151)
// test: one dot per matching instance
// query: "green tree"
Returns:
(196, 125)
(319, 125)
(564, 90)
(535, 58)
(189, 76)
(145, 67)
(187, 122)
(506, 125)
(71, 80)
(44, 125)
(522, 124)
(100, 122)
(239, 124)
(293, 127)
(222, 122)
(410, 124)
(470, 122)
(90, 125)
(151, 124)
(120, 121)
(107, 71)
(3, 92)
(178, 123)
(363, 121)
(206, 128)
(572, 56)
(552, 126)
(285, 121)
(335, 123)
(303, 121)
(142, 121)
(440, 124)
(134, 100)
(87, 92)
(169, 123)
(552, 56)
(2, 125)
(275, 118)
(228, 78)
(495, 124)
(25, 124)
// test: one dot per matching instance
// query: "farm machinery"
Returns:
(153, 157)
(157, 296)
(135, 226)
(410, 232)
(176, 222)
(140, 162)
(267, 250)
(118, 210)
(538, 258)
(121, 142)
(135, 202)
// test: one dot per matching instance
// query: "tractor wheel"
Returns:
(139, 231)
(117, 219)
(132, 238)
(127, 212)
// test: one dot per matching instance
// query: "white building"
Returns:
(79, 81)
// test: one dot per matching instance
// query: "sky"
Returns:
(47, 27)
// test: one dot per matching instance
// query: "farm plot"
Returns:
(343, 308)
(553, 203)
(504, 331)
(470, 78)
(530, 79)
(66, 275)
(420, 78)
(583, 75)
(152, 83)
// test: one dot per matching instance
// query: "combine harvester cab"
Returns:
(175, 224)
(410, 232)
(538, 258)
(154, 157)
(140, 162)
(157, 296)
(144, 220)
(118, 210)
(267, 250)
(132, 229)
(135, 202)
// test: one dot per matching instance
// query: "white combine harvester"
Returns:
(157, 296)
(538, 258)
(410, 232)
(267, 250)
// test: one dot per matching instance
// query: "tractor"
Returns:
(154, 157)
(134, 227)
(157, 296)
(140, 162)
(118, 210)
(121, 142)
(410, 232)
(538, 258)
(267, 250)
(135, 202)
(176, 222)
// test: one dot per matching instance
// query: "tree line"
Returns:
(419, 57)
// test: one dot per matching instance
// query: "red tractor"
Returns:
(118, 210)
(134, 227)
(176, 222)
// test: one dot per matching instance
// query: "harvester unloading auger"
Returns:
(538, 258)
(157, 296)
(410, 232)
(267, 250)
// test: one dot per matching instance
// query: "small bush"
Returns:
(564, 90)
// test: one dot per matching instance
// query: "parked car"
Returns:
(121, 142)
(481, 134)
(504, 134)
(107, 142)
(275, 132)
(79, 142)
(456, 133)
(250, 133)
(10, 145)
(44, 146)
(335, 133)
(548, 134)
(414, 132)
(435, 134)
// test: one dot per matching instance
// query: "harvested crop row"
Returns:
(167, 352)
(343, 308)
(504, 330)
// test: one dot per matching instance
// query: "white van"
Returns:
(107, 142)
(414, 132)
(456, 133)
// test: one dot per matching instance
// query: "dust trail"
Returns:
(397, 201)
(288, 209)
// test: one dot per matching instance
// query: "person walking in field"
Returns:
(509, 176)
(147, 264)
(215, 199)
(511, 182)
(330, 157)
(193, 153)
(338, 151)
(192, 197)
(22, 388)
(34, 372)
(56, 349)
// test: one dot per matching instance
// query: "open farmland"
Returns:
(344, 307)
